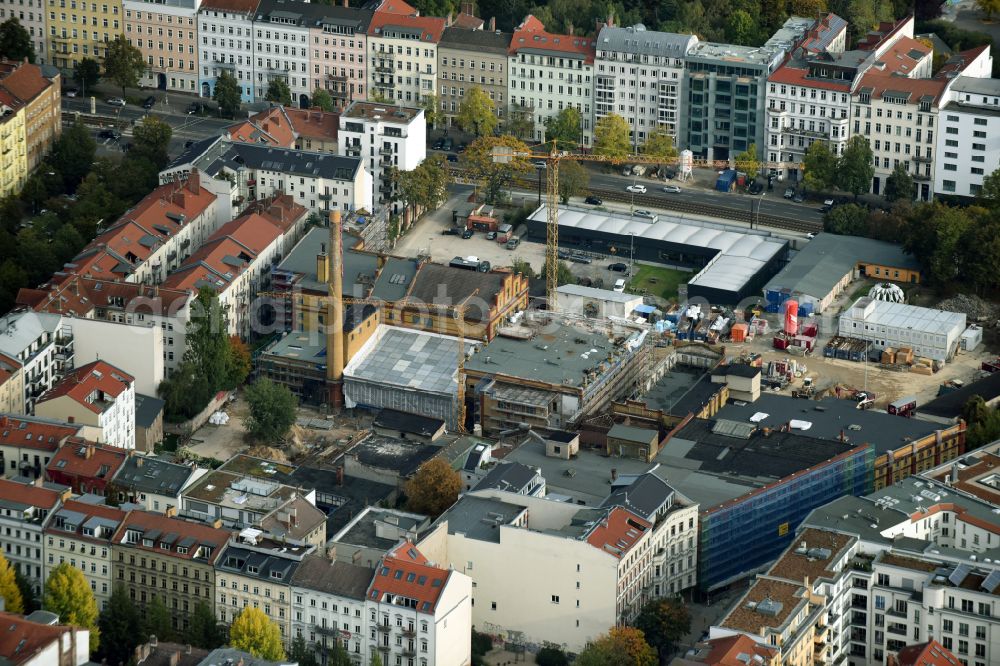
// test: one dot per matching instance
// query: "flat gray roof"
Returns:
(480, 517)
(637, 39)
(601, 294)
(359, 267)
(362, 532)
(417, 360)
(901, 315)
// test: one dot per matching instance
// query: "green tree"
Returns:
(855, 168)
(663, 623)
(573, 180)
(979, 248)
(975, 411)
(433, 488)
(432, 114)
(123, 63)
(74, 152)
(278, 91)
(861, 15)
(481, 644)
(807, 7)
(121, 627)
(28, 598)
(495, 176)
(35, 255)
(519, 123)
(988, 7)
(899, 184)
(68, 595)
(15, 42)
(985, 431)
(741, 28)
(151, 140)
(476, 113)
(237, 363)
(563, 274)
(748, 163)
(322, 99)
(156, 620)
(989, 195)
(611, 137)
(847, 220)
(375, 660)
(660, 145)
(9, 591)
(253, 632)
(203, 629)
(622, 646)
(87, 72)
(933, 236)
(301, 653)
(227, 93)
(564, 129)
(551, 655)
(819, 166)
(272, 410)
(426, 186)
(521, 265)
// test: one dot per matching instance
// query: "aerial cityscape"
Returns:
(453, 333)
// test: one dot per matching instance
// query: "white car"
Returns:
(619, 286)
(672, 189)
(810, 235)
(645, 214)
(636, 189)
(116, 101)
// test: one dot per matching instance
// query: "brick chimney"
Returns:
(88, 452)
(178, 198)
(194, 182)
(170, 511)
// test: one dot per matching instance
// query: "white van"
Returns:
(619, 286)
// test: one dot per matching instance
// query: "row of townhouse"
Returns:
(30, 120)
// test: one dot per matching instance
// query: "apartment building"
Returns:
(42, 100)
(87, 468)
(639, 74)
(166, 33)
(98, 395)
(472, 59)
(281, 48)
(548, 73)
(13, 144)
(31, 15)
(80, 30)
(37, 341)
(174, 560)
(226, 42)
(35, 641)
(328, 605)
(28, 444)
(968, 144)
(402, 54)
(153, 484)
(80, 533)
(338, 52)
(26, 509)
(383, 137)
(11, 385)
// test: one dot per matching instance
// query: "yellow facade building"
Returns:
(79, 29)
(13, 144)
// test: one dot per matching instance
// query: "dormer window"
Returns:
(277, 575)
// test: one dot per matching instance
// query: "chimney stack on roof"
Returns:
(194, 182)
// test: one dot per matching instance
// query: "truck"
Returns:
(470, 264)
(639, 170)
(726, 180)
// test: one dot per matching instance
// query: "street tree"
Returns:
(123, 63)
(564, 129)
(519, 123)
(272, 410)
(820, 166)
(899, 184)
(622, 646)
(375, 660)
(425, 186)
(989, 195)
(846, 220)
(748, 163)
(87, 72)
(237, 363)
(203, 628)
(611, 137)
(15, 42)
(432, 114)
(252, 631)
(563, 274)
(855, 168)
(660, 145)
(68, 595)
(151, 140)
(227, 93)
(495, 177)
(121, 627)
(551, 655)
(301, 654)
(156, 620)
(989, 7)
(521, 265)
(9, 591)
(663, 623)
(979, 248)
(476, 114)
(322, 99)
(28, 597)
(278, 91)
(74, 152)
(573, 179)
(433, 488)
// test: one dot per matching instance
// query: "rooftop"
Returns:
(233, 156)
(426, 29)
(531, 37)
(147, 409)
(949, 405)
(94, 386)
(509, 476)
(397, 357)
(271, 126)
(495, 42)
(239, 491)
(382, 529)
(88, 460)
(31, 432)
(395, 279)
(638, 40)
(386, 113)
(978, 474)
(728, 651)
(617, 532)
(19, 497)
(901, 315)
(391, 419)
(343, 496)
(813, 554)
(183, 539)
(232, 6)
(227, 656)
(768, 603)
(360, 268)
(295, 521)
(682, 390)
(480, 518)
(436, 284)
(931, 653)
(399, 455)
(337, 578)
(73, 294)
(645, 496)
(278, 564)
(21, 640)
(602, 294)
(406, 573)
(19, 331)
(633, 433)
(152, 475)
(90, 522)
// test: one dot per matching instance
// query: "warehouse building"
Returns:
(933, 334)
(824, 268)
(729, 263)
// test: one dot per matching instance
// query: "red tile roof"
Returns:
(468, 22)
(726, 651)
(431, 27)
(90, 511)
(531, 34)
(927, 654)
(232, 6)
(187, 534)
(902, 57)
(21, 640)
(314, 123)
(87, 460)
(879, 83)
(25, 81)
(31, 433)
(269, 127)
(89, 384)
(405, 572)
(797, 76)
(72, 294)
(42, 498)
(618, 532)
(396, 7)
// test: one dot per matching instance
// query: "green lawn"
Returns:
(657, 281)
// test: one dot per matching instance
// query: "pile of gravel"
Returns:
(974, 307)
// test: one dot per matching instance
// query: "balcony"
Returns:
(410, 652)
(384, 628)
(251, 181)
(897, 630)
(326, 631)
(385, 66)
(896, 613)
(324, 197)
(353, 151)
(385, 150)
(409, 632)
(922, 158)
(921, 177)
(803, 132)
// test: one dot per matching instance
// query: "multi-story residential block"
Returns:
(159, 556)
(402, 54)
(328, 605)
(81, 31)
(13, 144)
(154, 484)
(28, 443)
(98, 395)
(968, 143)
(166, 35)
(257, 572)
(727, 92)
(281, 48)
(11, 385)
(419, 611)
(31, 15)
(639, 74)
(35, 641)
(80, 533)
(301, 129)
(226, 41)
(472, 58)
(338, 51)
(383, 137)
(38, 342)
(42, 99)
(547, 73)
(85, 467)
(26, 508)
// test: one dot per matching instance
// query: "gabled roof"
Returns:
(151, 475)
(531, 36)
(735, 650)
(87, 460)
(231, 6)
(510, 477)
(957, 63)
(73, 294)
(34, 433)
(21, 640)
(481, 40)
(314, 123)
(25, 82)
(645, 496)
(88, 515)
(269, 127)
(171, 534)
(405, 572)
(617, 532)
(8, 367)
(28, 495)
(91, 385)
(428, 28)
(931, 653)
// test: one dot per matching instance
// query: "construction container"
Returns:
(804, 341)
(780, 341)
(888, 356)
(903, 407)
(811, 329)
(972, 338)
(738, 333)
(726, 180)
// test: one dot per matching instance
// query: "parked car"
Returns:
(491, 235)
(448, 143)
(563, 254)
(789, 192)
(619, 286)
(461, 147)
(636, 189)
(451, 231)
(149, 102)
(71, 92)
(513, 243)
(645, 214)
(756, 188)
(116, 101)
(579, 258)
(194, 107)
(452, 157)
(467, 234)
(618, 268)
(811, 235)
(593, 201)
(798, 198)
(438, 145)
(540, 164)
(112, 134)
(669, 174)
(671, 189)
(189, 143)
(827, 205)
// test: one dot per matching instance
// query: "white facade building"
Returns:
(139, 348)
(31, 15)
(402, 56)
(281, 49)
(328, 604)
(931, 333)
(383, 137)
(639, 74)
(226, 41)
(26, 510)
(968, 144)
(36, 339)
(98, 395)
